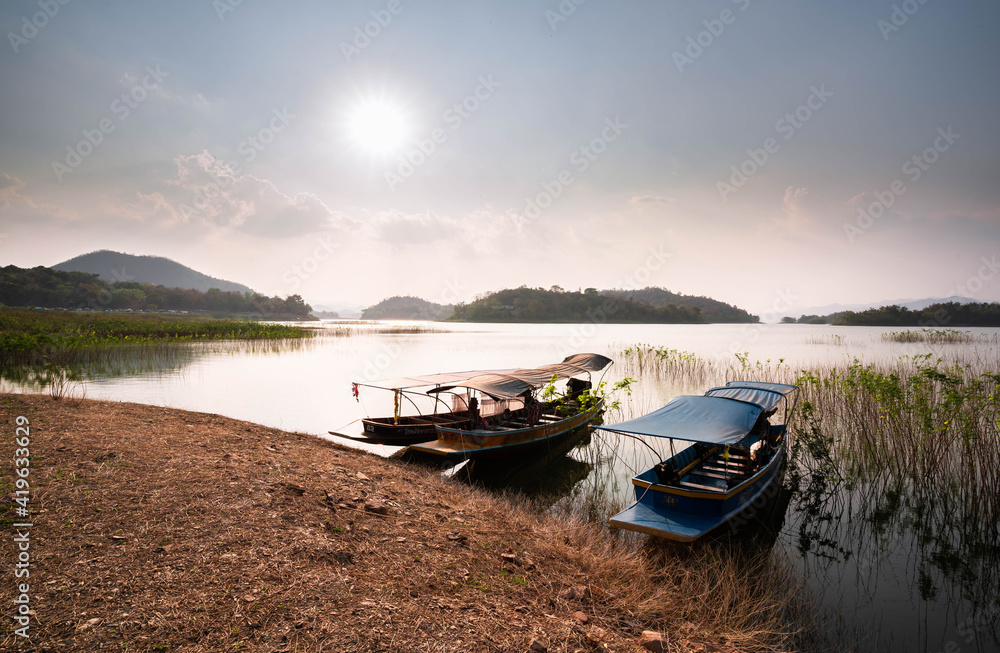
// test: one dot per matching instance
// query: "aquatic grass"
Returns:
(349, 328)
(934, 425)
(42, 337)
(931, 336)
(645, 361)
(834, 339)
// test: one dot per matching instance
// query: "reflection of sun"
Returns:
(378, 127)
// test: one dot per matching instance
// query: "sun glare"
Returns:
(378, 127)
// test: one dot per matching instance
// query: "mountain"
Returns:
(537, 305)
(47, 288)
(406, 308)
(348, 311)
(711, 310)
(115, 266)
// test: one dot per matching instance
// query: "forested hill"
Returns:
(556, 305)
(711, 310)
(115, 266)
(48, 288)
(949, 314)
(406, 308)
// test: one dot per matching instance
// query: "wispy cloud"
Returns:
(18, 205)
(650, 201)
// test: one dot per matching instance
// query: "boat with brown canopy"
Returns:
(531, 424)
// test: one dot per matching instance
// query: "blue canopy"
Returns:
(714, 420)
(766, 395)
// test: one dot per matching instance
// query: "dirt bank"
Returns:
(164, 530)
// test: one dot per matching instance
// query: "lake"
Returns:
(885, 576)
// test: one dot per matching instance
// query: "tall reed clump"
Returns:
(933, 426)
(931, 336)
(645, 361)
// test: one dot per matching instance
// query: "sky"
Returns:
(768, 154)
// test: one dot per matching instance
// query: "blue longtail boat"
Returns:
(735, 463)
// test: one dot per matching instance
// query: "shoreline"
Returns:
(160, 529)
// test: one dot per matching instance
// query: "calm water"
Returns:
(884, 579)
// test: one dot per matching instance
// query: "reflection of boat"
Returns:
(549, 478)
(726, 476)
(532, 428)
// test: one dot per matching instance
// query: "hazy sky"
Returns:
(763, 153)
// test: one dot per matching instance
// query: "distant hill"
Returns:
(711, 310)
(949, 314)
(556, 305)
(911, 304)
(47, 288)
(340, 310)
(406, 308)
(115, 266)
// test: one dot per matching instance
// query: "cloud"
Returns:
(151, 208)
(16, 204)
(207, 193)
(398, 228)
(650, 201)
(796, 203)
(803, 217)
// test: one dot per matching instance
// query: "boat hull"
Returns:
(685, 515)
(457, 444)
(409, 430)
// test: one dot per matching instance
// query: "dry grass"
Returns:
(164, 530)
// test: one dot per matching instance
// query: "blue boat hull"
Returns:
(684, 515)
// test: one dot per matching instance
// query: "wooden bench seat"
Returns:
(721, 477)
(698, 486)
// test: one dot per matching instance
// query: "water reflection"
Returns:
(892, 555)
(65, 369)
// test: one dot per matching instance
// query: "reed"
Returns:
(41, 337)
(647, 361)
(931, 336)
(827, 339)
(933, 426)
(349, 328)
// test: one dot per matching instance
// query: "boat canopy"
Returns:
(571, 366)
(589, 362)
(713, 420)
(508, 384)
(406, 382)
(498, 386)
(766, 395)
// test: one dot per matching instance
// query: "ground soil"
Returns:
(157, 529)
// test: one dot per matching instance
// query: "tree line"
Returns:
(557, 305)
(48, 288)
(950, 314)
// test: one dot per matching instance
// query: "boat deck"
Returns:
(717, 472)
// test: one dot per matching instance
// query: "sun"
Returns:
(378, 127)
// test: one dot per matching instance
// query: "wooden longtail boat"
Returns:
(528, 431)
(401, 430)
(736, 462)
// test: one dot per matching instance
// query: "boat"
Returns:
(401, 430)
(734, 464)
(523, 426)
